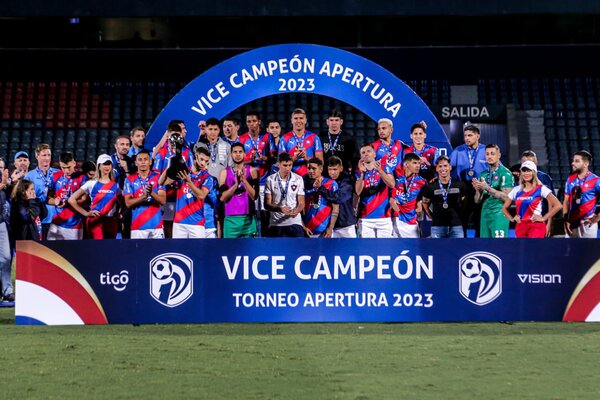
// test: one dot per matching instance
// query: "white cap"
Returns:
(530, 165)
(103, 158)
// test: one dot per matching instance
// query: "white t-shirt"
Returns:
(295, 187)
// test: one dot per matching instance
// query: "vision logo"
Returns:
(480, 277)
(171, 277)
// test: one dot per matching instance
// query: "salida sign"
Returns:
(475, 113)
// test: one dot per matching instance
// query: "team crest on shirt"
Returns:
(294, 187)
(171, 279)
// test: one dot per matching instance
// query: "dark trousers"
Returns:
(288, 231)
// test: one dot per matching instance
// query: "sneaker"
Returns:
(9, 297)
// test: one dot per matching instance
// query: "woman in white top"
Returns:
(104, 193)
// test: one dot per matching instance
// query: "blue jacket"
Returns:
(347, 216)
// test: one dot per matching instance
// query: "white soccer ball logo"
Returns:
(162, 270)
(471, 267)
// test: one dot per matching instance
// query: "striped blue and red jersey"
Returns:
(529, 203)
(389, 153)
(374, 198)
(319, 205)
(148, 215)
(406, 193)
(584, 196)
(290, 143)
(189, 209)
(430, 153)
(103, 196)
(161, 162)
(63, 188)
(259, 147)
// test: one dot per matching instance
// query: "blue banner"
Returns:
(300, 68)
(303, 280)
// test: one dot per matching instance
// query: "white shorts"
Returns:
(346, 232)
(148, 234)
(375, 228)
(582, 232)
(168, 211)
(210, 233)
(403, 230)
(185, 231)
(56, 232)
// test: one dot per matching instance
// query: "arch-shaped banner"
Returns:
(304, 68)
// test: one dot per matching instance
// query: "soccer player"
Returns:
(137, 136)
(231, 127)
(372, 186)
(498, 177)
(257, 153)
(219, 149)
(274, 131)
(67, 224)
(144, 196)
(321, 210)
(301, 144)
(163, 143)
(338, 143)
(387, 151)
(103, 191)
(404, 200)
(284, 197)
(428, 154)
(345, 226)
(468, 162)
(443, 200)
(528, 195)
(582, 191)
(161, 164)
(238, 186)
(191, 189)
(41, 177)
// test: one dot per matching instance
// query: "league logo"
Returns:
(480, 277)
(171, 277)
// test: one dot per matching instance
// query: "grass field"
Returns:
(301, 361)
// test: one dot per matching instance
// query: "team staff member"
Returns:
(301, 144)
(404, 199)
(137, 136)
(284, 197)
(321, 198)
(443, 201)
(103, 191)
(345, 226)
(67, 224)
(498, 177)
(468, 162)
(582, 191)
(41, 177)
(145, 196)
(528, 196)
(339, 143)
(372, 186)
(238, 186)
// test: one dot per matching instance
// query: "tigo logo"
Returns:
(171, 278)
